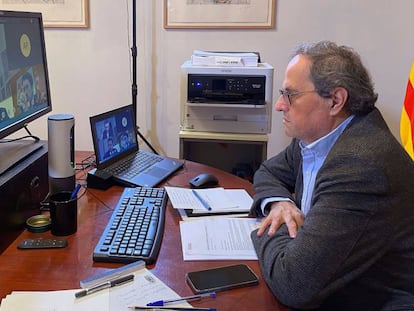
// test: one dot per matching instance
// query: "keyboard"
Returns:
(134, 165)
(136, 227)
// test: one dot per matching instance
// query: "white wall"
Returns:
(90, 69)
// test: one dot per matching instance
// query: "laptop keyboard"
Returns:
(135, 229)
(134, 165)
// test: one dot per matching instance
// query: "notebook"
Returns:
(117, 152)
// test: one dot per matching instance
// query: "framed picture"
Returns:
(219, 14)
(56, 13)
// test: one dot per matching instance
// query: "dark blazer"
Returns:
(355, 250)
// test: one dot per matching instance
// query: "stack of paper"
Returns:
(145, 288)
(232, 59)
(210, 201)
(212, 238)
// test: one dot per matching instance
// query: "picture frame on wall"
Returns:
(219, 14)
(57, 13)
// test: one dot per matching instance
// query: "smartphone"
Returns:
(221, 278)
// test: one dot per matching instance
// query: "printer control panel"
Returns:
(238, 89)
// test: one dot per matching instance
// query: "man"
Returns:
(107, 131)
(26, 98)
(111, 149)
(338, 202)
(3, 114)
(125, 144)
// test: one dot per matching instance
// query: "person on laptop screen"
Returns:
(112, 151)
(107, 131)
(124, 141)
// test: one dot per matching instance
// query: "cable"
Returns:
(3, 141)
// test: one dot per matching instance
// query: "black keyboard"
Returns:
(134, 164)
(135, 229)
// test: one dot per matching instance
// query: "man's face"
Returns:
(124, 141)
(307, 116)
(28, 89)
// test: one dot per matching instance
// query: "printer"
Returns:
(226, 99)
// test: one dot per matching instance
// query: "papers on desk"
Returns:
(211, 201)
(232, 59)
(214, 238)
(145, 288)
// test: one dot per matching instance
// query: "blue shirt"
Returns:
(313, 156)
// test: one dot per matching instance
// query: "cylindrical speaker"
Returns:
(61, 152)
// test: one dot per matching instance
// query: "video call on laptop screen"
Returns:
(113, 134)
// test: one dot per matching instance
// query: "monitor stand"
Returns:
(15, 151)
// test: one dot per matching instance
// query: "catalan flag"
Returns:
(407, 116)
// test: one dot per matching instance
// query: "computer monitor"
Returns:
(24, 83)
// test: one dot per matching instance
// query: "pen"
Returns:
(102, 286)
(171, 308)
(188, 298)
(75, 192)
(204, 202)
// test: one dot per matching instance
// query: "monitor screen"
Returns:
(24, 83)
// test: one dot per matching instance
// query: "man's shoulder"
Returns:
(366, 143)
(366, 133)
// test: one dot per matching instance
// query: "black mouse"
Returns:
(204, 180)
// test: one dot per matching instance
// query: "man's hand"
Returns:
(282, 212)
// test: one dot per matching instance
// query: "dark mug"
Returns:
(63, 213)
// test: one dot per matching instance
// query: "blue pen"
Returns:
(75, 191)
(204, 202)
(161, 303)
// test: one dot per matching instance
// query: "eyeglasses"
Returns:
(287, 95)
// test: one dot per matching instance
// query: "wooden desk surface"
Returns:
(58, 269)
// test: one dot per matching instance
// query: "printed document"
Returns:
(233, 59)
(218, 238)
(219, 200)
(145, 288)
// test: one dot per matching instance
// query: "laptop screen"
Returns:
(113, 135)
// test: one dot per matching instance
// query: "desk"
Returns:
(58, 269)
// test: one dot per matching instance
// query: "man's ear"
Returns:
(339, 97)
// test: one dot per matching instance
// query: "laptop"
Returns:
(118, 155)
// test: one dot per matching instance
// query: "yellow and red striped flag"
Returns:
(407, 116)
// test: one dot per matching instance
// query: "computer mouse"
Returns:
(204, 180)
